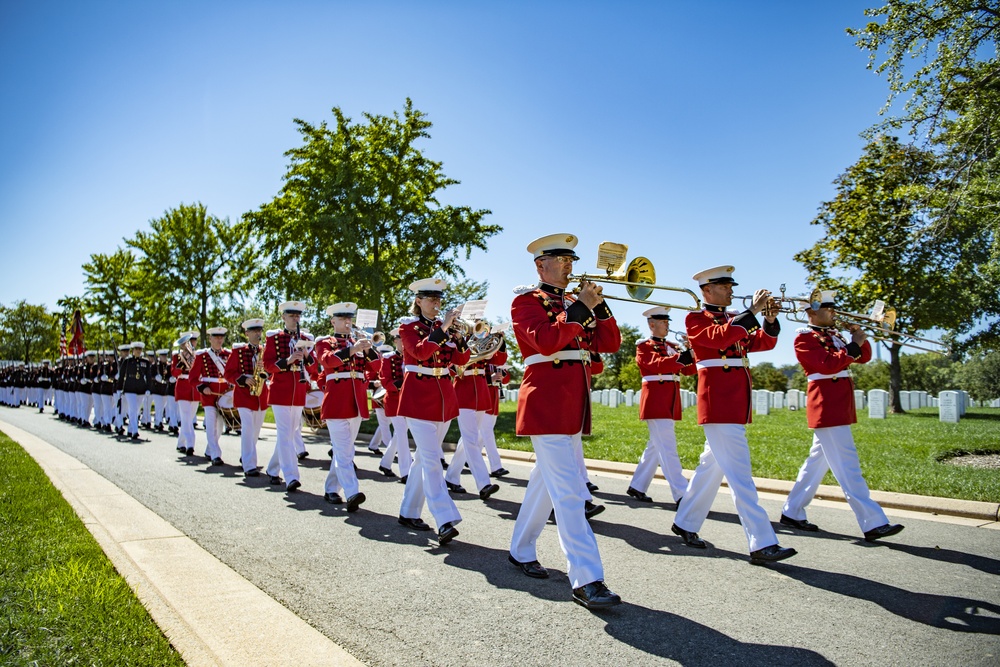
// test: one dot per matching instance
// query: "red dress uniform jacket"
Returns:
(346, 392)
(724, 390)
(495, 386)
(661, 399)
(426, 345)
(183, 388)
(829, 401)
(205, 375)
(239, 369)
(472, 386)
(555, 395)
(284, 386)
(390, 374)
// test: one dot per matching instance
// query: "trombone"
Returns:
(639, 277)
(881, 323)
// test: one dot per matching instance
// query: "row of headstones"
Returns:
(614, 398)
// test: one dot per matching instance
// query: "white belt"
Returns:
(211, 379)
(183, 376)
(733, 362)
(423, 370)
(345, 375)
(84, 381)
(474, 371)
(561, 355)
(812, 377)
(660, 378)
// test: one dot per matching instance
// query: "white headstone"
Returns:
(604, 397)
(948, 407)
(878, 400)
(859, 400)
(802, 400)
(793, 399)
(995, 403)
(763, 404)
(595, 396)
(963, 398)
(512, 394)
(778, 400)
(613, 398)
(629, 398)
(904, 400)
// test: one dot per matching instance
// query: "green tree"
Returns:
(980, 375)
(615, 363)
(932, 373)
(27, 332)
(359, 215)
(873, 375)
(192, 268)
(766, 376)
(110, 293)
(874, 232)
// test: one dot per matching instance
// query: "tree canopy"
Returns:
(27, 332)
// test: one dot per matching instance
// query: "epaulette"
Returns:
(322, 338)
(803, 330)
(307, 336)
(524, 289)
(203, 351)
(409, 320)
(386, 355)
(237, 346)
(273, 332)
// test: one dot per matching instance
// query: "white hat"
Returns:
(123, 347)
(292, 307)
(217, 331)
(384, 349)
(657, 313)
(554, 245)
(255, 323)
(46, 361)
(90, 353)
(150, 353)
(394, 332)
(717, 275)
(138, 345)
(164, 351)
(827, 299)
(429, 287)
(343, 309)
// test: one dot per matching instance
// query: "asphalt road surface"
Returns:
(929, 596)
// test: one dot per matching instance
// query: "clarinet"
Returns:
(303, 373)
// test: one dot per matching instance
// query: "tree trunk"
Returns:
(895, 379)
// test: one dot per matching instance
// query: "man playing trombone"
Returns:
(825, 357)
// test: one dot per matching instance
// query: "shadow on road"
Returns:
(939, 611)
(981, 563)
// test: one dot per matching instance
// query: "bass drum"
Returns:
(230, 416)
(311, 412)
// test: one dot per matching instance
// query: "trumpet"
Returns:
(782, 304)
(377, 338)
(639, 278)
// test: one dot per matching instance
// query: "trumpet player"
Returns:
(184, 395)
(826, 356)
(661, 364)
(245, 371)
(721, 341)
(429, 403)
(346, 362)
(208, 376)
(390, 376)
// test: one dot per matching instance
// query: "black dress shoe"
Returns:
(533, 568)
(354, 502)
(499, 472)
(446, 533)
(274, 479)
(190, 451)
(590, 510)
(413, 524)
(333, 498)
(883, 531)
(402, 480)
(591, 486)
(375, 452)
(251, 473)
(302, 455)
(444, 464)
(487, 491)
(595, 595)
(690, 539)
(135, 437)
(639, 495)
(217, 461)
(386, 471)
(455, 488)
(330, 453)
(800, 524)
(293, 485)
(771, 554)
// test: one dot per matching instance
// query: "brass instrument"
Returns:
(255, 384)
(881, 324)
(639, 277)
(782, 304)
(185, 351)
(377, 338)
(304, 345)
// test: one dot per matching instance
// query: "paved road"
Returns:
(931, 596)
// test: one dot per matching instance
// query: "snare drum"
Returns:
(230, 415)
(311, 411)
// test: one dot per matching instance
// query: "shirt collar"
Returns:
(552, 289)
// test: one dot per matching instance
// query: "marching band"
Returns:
(439, 367)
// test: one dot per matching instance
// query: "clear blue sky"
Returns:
(697, 133)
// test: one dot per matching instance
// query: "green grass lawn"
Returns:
(61, 600)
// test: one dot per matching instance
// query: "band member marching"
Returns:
(245, 371)
(721, 342)
(208, 376)
(346, 362)
(556, 334)
(429, 403)
(162, 390)
(825, 357)
(133, 381)
(185, 396)
(661, 364)
(288, 363)
(390, 376)
(496, 376)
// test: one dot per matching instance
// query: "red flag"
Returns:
(76, 346)
(62, 341)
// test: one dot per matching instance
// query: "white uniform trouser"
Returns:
(288, 423)
(661, 449)
(555, 483)
(833, 448)
(398, 446)
(101, 409)
(343, 433)
(120, 412)
(171, 404)
(250, 424)
(147, 408)
(726, 455)
(382, 434)
(109, 408)
(470, 449)
(160, 409)
(489, 441)
(86, 403)
(131, 402)
(426, 480)
(213, 430)
(298, 443)
(186, 413)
